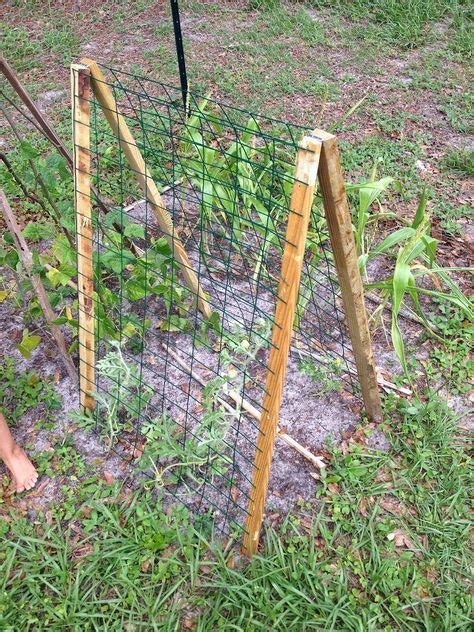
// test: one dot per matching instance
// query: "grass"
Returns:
(387, 550)
(460, 161)
(385, 544)
(395, 157)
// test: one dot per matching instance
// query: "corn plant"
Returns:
(414, 260)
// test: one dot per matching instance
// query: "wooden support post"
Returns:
(296, 231)
(119, 126)
(80, 98)
(345, 257)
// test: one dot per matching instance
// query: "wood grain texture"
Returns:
(118, 124)
(292, 261)
(338, 217)
(80, 98)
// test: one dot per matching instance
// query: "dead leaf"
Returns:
(188, 621)
(400, 539)
(109, 478)
(39, 489)
(84, 550)
(145, 566)
(391, 504)
(138, 452)
(56, 377)
(364, 505)
(86, 511)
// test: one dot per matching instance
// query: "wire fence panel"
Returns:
(180, 369)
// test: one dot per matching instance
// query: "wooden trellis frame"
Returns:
(317, 159)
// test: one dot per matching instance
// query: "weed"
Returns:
(60, 460)
(326, 376)
(21, 391)
(62, 41)
(397, 158)
(458, 110)
(460, 161)
(123, 396)
(449, 214)
(19, 47)
(193, 454)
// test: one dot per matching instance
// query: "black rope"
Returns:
(178, 38)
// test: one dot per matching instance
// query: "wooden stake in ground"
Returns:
(119, 126)
(345, 258)
(80, 98)
(297, 228)
(27, 261)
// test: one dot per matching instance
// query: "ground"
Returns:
(382, 541)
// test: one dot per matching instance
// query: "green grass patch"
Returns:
(19, 48)
(395, 157)
(388, 548)
(460, 161)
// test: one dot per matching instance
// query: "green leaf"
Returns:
(175, 323)
(134, 230)
(401, 279)
(420, 211)
(48, 176)
(391, 240)
(61, 277)
(37, 231)
(28, 344)
(28, 150)
(62, 320)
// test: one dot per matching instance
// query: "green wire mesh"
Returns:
(167, 380)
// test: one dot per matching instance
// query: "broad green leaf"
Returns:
(37, 231)
(28, 150)
(420, 211)
(392, 240)
(28, 344)
(134, 231)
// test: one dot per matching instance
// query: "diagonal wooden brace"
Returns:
(296, 232)
(135, 159)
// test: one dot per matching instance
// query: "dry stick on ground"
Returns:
(27, 261)
(402, 311)
(380, 380)
(317, 461)
(135, 159)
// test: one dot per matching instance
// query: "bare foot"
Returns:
(24, 474)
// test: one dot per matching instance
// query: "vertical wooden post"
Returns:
(80, 99)
(345, 257)
(296, 233)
